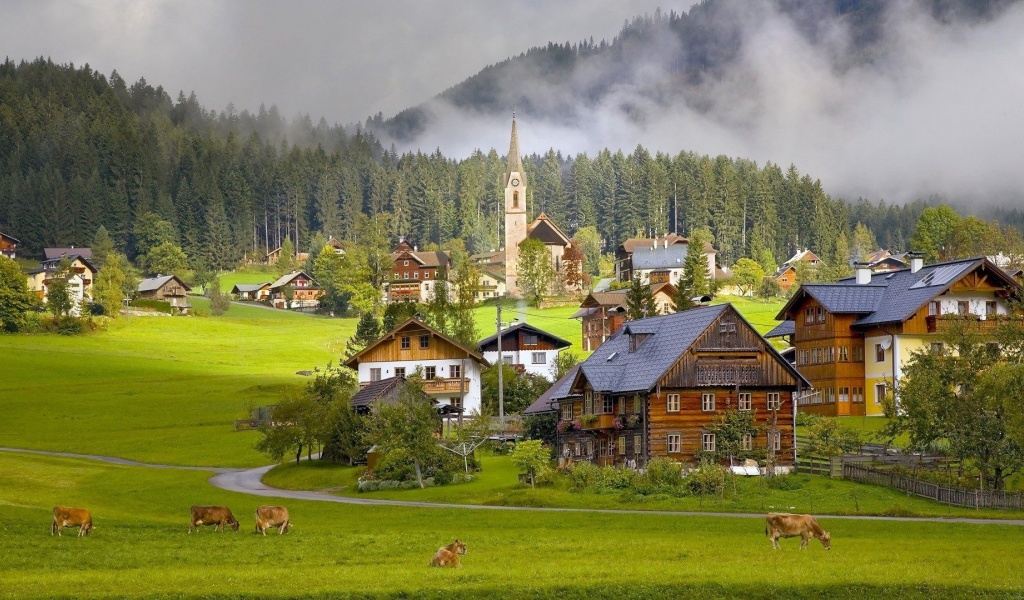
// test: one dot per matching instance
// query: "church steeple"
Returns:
(515, 160)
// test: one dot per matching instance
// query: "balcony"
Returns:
(944, 323)
(452, 385)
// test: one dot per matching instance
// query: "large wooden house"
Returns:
(658, 260)
(450, 370)
(169, 288)
(525, 347)
(80, 279)
(304, 291)
(414, 274)
(657, 385)
(602, 313)
(853, 337)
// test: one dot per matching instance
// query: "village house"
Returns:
(80, 279)
(8, 245)
(450, 371)
(602, 313)
(525, 347)
(272, 257)
(786, 274)
(414, 274)
(169, 288)
(853, 337)
(255, 292)
(492, 285)
(659, 260)
(656, 387)
(882, 261)
(303, 289)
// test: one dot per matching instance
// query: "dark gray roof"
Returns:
(249, 287)
(155, 283)
(782, 329)
(559, 389)
(554, 339)
(52, 253)
(374, 390)
(612, 368)
(661, 257)
(846, 298)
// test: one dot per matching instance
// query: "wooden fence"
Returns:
(933, 491)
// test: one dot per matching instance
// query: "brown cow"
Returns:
(218, 516)
(448, 556)
(65, 516)
(272, 516)
(803, 526)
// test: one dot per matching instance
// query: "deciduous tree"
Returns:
(15, 297)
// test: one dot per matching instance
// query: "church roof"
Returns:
(546, 231)
(515, 159)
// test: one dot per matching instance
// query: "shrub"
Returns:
(664, 472)
(708, 478)
(69, 325)
(157, 305)
(583, 476)
(616, 479)
(784, 482)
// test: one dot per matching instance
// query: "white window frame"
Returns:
(399, 371)
(673, 443)
(588, 402)
(707, 442)
(537, 355)
(747, 441)
(880, 390)
(375, 373)
(775, 440)
(672, 403)
(743, 401)
(707, 402)
(567, 412)
(621, 445)
(774, 400)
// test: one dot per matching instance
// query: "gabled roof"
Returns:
(804, 254)
(375, 390)
(494, 257)
(631, 245)
(556, 341)
(426, 259)
(286, 279)
(249, 287)
(615, 299)
(891, 297)
(415, 323)
(52, 253)
(547, 402)
(782, 330)
(612, 368)
(661, 257)
(155, 283)
(544, 230)
(10, 237)
(52, 264)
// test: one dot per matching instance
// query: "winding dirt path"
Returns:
(249, 481)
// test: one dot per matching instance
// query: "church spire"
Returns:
(515, 160)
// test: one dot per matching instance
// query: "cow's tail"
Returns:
(767, 529)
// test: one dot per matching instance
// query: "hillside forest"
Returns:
(80, 150)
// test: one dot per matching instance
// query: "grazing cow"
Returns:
(803, 526)
(218, 516)
(272, 516)
(448, 556)
(65, 516)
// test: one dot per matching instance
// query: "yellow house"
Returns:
(852, 338)
(80, 279)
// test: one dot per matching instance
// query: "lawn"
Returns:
(497, 485)
(140, 548)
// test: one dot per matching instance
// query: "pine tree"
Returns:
(102, 247)
(640, 302)
(696, 281)
(367, 332)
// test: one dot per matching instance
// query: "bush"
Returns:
(583, 476)
(805, 419)
(616, 479)
(69, 325)
(157, 305)
(784, 482)
(708, 478)
(664, 472)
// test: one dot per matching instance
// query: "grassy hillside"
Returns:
(141, 548)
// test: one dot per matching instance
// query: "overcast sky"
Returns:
(344, 60)
(942, 111)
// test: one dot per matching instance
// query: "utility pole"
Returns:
(501, 379)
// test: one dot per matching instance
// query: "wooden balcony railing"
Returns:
(944, 323)
(443, 386)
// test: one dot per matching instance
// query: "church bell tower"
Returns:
(515, 212)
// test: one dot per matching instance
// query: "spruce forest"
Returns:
(82, 150)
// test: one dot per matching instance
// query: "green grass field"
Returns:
(141, 548)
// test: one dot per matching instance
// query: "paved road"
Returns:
(248, 481)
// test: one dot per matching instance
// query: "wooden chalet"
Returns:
(602, 313)
(656, 258)
(8, 245)
(414, 274)
(451, 371)
(655, 387)
(786, 275)
(169, 288)
(305, 292)
(525, 347)
(251, 291)
(852, 337)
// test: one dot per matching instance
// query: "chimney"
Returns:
(863, 273)
(916, 261)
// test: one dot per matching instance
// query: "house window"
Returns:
(773, 401)
(506, 358)
(775, 440)
(406, 342)
(405, 263)
(809, 316)
(879, 392)
(672, 403)
(424, 342)
(879, 353)
(821, 314)
(844, 354)
(576, 449)
(537, 358)
(858, 354)
(963, 308)
(622, 445)
(748, 441)
(637, 444)
(426, 274)
(455, 402)
(638, 405)
(530, 339)
(744, 400)
(831, 395)
(395, 275)
(608, 404)
(375, 374)
(673, 443)
(567, 412)
(936, 347)
(707, 402)
(990, 309)
(602, 447)
(934, 308)
(588, 402)
(455, 371)
(590, 447)
(399, 371)
(844, 394)
(707, 442)
(415, 274)
(622, 405)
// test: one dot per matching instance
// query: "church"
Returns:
(518, 231)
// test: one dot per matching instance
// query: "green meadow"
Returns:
(140, 548)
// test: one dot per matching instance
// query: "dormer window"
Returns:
(636, 340)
